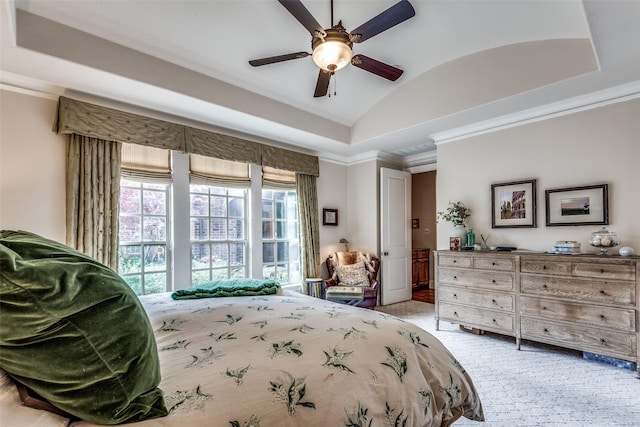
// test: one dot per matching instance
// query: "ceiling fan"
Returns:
(332, 46)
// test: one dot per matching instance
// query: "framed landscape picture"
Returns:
(587, 205)
(513, 204)
(329, 216)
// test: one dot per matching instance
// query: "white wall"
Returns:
(598, 146)
(32, 162)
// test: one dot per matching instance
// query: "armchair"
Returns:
(352, 270)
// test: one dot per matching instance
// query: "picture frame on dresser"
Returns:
(513, 204)
(585, 205)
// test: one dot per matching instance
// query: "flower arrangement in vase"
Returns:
(457, 214)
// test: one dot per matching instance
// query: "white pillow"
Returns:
(352, 275)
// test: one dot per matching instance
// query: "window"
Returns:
(218, 233)
(280, 245)
(144, 236)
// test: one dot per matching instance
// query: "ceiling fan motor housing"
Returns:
(333, 51)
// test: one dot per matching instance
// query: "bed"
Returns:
(289, 359)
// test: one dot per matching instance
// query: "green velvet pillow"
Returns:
(74, 332)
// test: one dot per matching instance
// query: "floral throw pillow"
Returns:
(352, 274)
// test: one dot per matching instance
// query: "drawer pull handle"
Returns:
(545, 330)
(454, 261)
(494, 321)
(602, 292)
(601, 270)
(493, 263)
(455, 295)
(455, 313)
(544, 308)
(493, 281)
(602, 317)
(603, 341)
(544, 267)
(545, 287)
(455, 277)
(493, 301)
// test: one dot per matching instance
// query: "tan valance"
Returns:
(109, 124)
(280, 158)
(224, 147)
(83, 118)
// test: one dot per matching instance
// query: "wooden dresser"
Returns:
(420, 268)
(585, 302)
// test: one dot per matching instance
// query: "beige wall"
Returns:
(32, 159)
(590, 147)
(596, 146)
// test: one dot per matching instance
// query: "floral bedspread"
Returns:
(293, 360)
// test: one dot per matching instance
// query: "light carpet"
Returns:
(538, 386)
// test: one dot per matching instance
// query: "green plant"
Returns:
(456, 213)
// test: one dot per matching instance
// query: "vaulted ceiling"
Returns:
(469, 66)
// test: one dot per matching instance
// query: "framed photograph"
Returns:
(454, 244)
(329, 216)
(415, 223)
(513, 204)
(588, 205)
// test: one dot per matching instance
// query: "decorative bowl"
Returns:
(604, 240)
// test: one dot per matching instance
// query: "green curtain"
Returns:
(93, 193)
(307, 194)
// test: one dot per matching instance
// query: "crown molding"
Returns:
(569, 106)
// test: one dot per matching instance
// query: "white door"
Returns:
(395, 232)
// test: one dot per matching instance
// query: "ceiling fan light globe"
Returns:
(332, 55)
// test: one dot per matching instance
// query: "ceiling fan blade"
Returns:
(396, 14)
(376, 67)
(279, 58)
(322, 86)
(297, 9)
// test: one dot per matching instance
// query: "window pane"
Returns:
(219, 274)
(194, 188)
(154, 202)
(267, 230)
(267, 209)
(268, 252)
(218, 229)
(130, 228)
(200, 257)
(280, 210)
(283, 252)
(236, 253)
(155, 283)
(269, 271)
(130, 200)
(198, 277)
(199, 205)
(129, 259)
(199, 229)
(218, 206)
(154, 228)
(154, 257)
(134, 283)
(220, 252)
(281, 230)
(236, 229)
(236, 208)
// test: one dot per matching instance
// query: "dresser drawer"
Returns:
(495, 263)
(478, 298)
(455, 261)
(605, 271)
(478, 317)
(608, 292)
(561, 268)
(477, 279)
(599, 316)
(600, 341)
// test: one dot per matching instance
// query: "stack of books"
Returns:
(568, 247)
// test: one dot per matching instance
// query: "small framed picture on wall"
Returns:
(329, 216)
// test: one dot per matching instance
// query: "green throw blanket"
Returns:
(228, 288)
